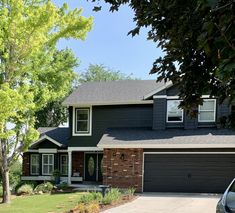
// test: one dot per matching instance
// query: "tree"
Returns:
(53, 113)
(99, 72)
(198, 38)
(29, 32)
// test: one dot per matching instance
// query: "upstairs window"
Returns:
(82, 121)
(206, 111)
(174, 113)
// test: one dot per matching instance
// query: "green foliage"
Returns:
(99, 72)
(44, 187)
(197, 38)
(63, 186)
(31, 68)
(1, 191)
(128, 191)
(25, 189)
(113, 195)
(23, 182)
(15, 173)
(91, 197)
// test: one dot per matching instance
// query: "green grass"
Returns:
(42, 203)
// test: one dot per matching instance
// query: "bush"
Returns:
(1, 191)
(87, 208)
(113, 195)
(25, 189)
(44, 187)
(63, 186)
(129, 191)
(21, 183)
(91, 197)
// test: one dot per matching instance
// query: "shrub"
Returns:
(63, 186)
(21, 183)
(113, 195)
(44, 187)
(129, 191)
(87, 208)
(91, 197)
(1, 191)
(25, 189)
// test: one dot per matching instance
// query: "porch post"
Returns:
(69, 166)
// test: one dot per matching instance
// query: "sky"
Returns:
(108, 44)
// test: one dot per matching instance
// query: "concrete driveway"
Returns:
(165, 203)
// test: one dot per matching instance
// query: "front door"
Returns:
(93, 164)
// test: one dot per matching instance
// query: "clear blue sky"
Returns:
(107, 43)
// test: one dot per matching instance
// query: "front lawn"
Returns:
(42, 203)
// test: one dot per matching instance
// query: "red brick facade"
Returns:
(26, 164)
(78, 163)
(123, 168)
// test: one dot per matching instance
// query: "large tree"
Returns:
(29, 32)
(198, 39)
(53, 114)
(100, 72)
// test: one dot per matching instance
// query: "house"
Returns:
(132, 133)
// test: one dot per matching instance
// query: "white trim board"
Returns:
(70, 149)
(44, 137)
(177, 96)
(47, 151)
(144, 145)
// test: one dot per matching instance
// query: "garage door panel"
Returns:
(188, 173)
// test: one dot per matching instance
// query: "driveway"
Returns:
(165, 203)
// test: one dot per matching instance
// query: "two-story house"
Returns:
(132, 133)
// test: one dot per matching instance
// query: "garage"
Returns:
(200, 173)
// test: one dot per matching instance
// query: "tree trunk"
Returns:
(6, 186)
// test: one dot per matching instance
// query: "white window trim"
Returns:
(199, 110)
(61, 164)
(31, 173)
(47, 164)
(167, 113)
(75, 133)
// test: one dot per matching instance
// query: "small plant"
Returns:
(130, 191)
(112, 196)
(44, 187)
(91, 197)
(63, 186)
(86, 208)
(25, 189)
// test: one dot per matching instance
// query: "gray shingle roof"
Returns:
(111, 92)
(60, 134)
(171, 138)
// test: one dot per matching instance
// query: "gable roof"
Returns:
(57, 135)
(170, 138)
(113, 92)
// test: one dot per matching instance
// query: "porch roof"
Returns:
(170, 138)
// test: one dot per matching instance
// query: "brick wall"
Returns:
(26, 166)
(123, 168)
(78, 163)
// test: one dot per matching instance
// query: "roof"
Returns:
(170, 138)
(112, 92)
(57, 135)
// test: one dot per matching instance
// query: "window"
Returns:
(82, 121)
(64, 164)
(47, 164)
(207, 111)
(174, 113)
(34, 164)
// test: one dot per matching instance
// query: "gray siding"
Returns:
(159, 113)
(104, 117)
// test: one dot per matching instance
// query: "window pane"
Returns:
(45, 159)
(208, 105)
(82, 126)
(50, 159)
(45, 169)
(206, 116)
(173, 112)
(50, 169)
(82, 114)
